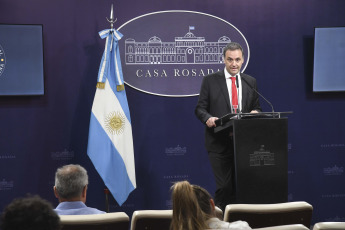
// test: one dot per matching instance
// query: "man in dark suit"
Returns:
(220, 95)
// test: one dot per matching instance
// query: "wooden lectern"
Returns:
(261, 156)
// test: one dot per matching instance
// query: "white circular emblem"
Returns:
(173, 61)
(2, 60)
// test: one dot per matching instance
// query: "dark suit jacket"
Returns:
(214, 101)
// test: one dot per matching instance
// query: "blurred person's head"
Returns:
(205, 201)
(31, 213)
(192, 206)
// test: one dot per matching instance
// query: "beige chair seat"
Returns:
(115, 220)
(285, 227)
(219, 213)
(267, 215)
(151, 220)
(329, 226)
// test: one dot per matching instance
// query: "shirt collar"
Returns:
(71, 205)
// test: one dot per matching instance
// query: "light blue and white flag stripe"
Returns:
(112, 37)
(110, 145)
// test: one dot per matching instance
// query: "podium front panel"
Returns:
(260, 147)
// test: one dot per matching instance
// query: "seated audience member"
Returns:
(31, 213)
(194, 209)
(70, 188)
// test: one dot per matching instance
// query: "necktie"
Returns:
(234, 95)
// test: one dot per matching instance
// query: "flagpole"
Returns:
(111, 20)
(106, 192)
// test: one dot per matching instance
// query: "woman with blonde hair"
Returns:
(194, 209)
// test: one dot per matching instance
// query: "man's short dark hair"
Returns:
(30, 213)
(232, 46)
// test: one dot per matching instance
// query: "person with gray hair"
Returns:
(70, 188)
(226, 91)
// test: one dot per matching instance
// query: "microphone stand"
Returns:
(258, 93)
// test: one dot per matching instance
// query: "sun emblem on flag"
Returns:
(115, 123)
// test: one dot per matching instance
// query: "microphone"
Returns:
(257, 92)
(237, 81)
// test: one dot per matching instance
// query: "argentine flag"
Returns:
(110, 144)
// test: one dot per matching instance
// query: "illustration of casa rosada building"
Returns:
(185, 50)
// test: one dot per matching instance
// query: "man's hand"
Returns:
(211, 122)
(254, 111)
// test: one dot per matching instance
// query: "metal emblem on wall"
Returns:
(64, 155)
(168, 53)
(176, 151)
(6, 185)
(7, 156)
(2, 60)
(333, 171)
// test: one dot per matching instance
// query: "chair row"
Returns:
(260, 215)
(141, 220)
(288, 216)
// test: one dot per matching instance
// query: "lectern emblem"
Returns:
(261, 157)
(2, 60)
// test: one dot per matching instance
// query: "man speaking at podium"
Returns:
(221, 93)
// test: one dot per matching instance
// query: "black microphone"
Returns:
(237, 81)
(257, 93)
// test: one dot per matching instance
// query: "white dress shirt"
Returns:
(239, 88)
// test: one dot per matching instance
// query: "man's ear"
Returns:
(56, 193)
(84, 192)
(213, 206)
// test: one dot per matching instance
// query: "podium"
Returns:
(261, 156)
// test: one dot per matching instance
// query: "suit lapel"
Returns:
(224, 89)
